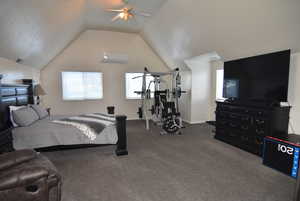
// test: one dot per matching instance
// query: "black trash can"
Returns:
(111, 110)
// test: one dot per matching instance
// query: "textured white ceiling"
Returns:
(36, 31)
(232, 28)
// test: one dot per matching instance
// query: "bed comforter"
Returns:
(46, 133)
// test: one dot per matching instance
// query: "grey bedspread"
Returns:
(45, 133)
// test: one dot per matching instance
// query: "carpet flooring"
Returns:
(191, 167)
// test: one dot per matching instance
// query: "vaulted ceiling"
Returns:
(36, 31)
(232, 28)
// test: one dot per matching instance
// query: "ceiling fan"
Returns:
(127, 12)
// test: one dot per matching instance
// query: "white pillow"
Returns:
(25, 117)
(40, 110)
(11, 109)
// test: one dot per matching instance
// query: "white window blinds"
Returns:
(82, 85)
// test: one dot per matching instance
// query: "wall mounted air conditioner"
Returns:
(115, 58)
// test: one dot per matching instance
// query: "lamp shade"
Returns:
(39, 91)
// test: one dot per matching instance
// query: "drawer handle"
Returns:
(245, 119)
(233, 125)
(244, 138)
(259, 132)
(232, 135)
(245, 127)
(32, 188)
(260, 121)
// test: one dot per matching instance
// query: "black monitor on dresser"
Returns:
(258, 78)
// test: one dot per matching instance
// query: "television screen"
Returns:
(261, 78)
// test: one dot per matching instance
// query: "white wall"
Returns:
(201, 87)
(13, 73)
(85, 54)
(201, 92)
(294, 93)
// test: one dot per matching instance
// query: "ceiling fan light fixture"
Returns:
(127, 13)
(122, 15)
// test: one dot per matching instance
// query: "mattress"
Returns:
(45, 133)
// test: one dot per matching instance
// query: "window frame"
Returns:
(217, 82)
(129, 98)
(84, 99)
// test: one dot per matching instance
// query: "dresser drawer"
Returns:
(22, 91)
(8, 91)
(22, 100)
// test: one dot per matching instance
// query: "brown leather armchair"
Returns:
(26, 175)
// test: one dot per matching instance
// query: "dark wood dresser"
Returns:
(11, 95)
(245, 126)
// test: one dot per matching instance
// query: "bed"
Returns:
(45, 135)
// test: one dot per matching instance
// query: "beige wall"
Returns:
(294, 94)
(200, 89)
(13, 73)
(85, 54)
(198, 101)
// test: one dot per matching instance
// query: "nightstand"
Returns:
(6, 141)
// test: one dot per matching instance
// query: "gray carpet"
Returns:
(191, 167)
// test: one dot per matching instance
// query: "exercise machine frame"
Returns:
(161, 102)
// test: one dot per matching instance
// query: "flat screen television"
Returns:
(259, 78)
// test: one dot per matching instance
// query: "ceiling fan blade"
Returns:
(144, 14)
(114, 10)
(115, 18)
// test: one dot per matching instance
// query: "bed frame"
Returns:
(18, 95)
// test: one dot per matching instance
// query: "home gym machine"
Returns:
(161, 103)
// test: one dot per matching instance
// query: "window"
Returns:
(219, 83)
(82, 85)
(133, 85)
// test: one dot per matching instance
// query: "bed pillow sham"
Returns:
(11, 109)
(25, 116)
(40, 110)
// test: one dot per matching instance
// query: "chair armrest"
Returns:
(24, 177)
(10, 159)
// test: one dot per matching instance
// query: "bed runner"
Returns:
(90, 125)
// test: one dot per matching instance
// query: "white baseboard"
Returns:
(194, 122)
(186, 121)
(133, 119)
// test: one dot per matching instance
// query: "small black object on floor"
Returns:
(212, 123)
